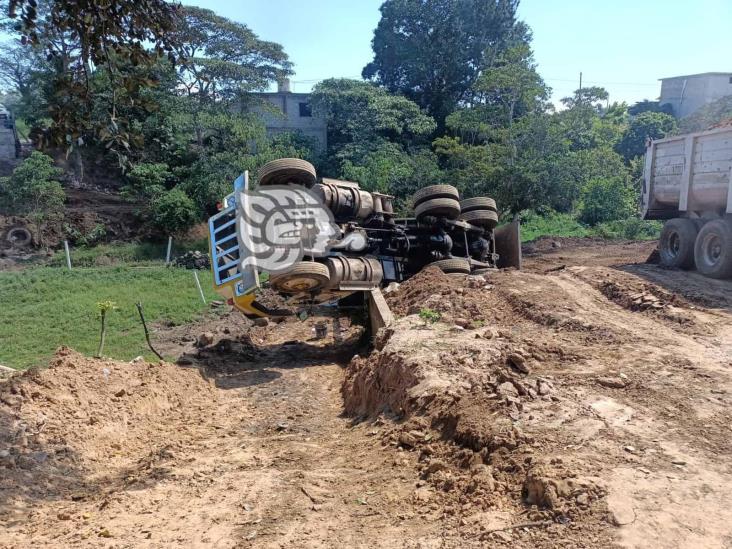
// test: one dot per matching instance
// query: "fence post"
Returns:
(198, 283)
(170, 246)
(68, 254)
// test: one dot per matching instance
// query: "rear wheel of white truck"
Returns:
(676, 245)
(713, 249)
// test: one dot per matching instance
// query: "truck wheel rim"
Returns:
(300, 284)
(711, 249)
(674, 244)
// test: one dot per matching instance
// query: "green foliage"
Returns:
(707, 116)
(173, 211)
(649, 106)
(34, 190)
(147, 181)
(632, 228)
(607, 199)
(90, 238)
(139, 254)
(361, 112)
(66, 301)
(375, 138)
(75, 42)
(647, 125)
(429, 316)
(432, 52)
(222, 59)
(551, 223)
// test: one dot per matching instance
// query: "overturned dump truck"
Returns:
(344, 239)
(687, 184)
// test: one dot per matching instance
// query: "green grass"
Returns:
(44, 308)
(124, 253)
(534, 226)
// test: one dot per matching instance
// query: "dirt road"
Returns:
(584, 402)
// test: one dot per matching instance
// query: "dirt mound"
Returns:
(452, 296)
(470, 398)
(637, 295)
(83, 417)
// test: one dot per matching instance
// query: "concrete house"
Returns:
(686, 94)
(296, 114)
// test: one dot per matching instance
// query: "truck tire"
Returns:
(287, 170)
(477, 203)
(487, 219)
(713, 249)
(438, 207)
(453, 266)
(305, 276)
(676, 245)
(18, 237)
(435, 191)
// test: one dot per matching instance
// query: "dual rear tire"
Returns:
(685, 245)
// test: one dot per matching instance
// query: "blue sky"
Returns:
(624, 45)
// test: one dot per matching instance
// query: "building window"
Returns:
(305, 110)
(730, 79)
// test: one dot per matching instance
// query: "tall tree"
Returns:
(434, 50)
(224, 59)
(374, 137)
(80, 37)
(647, 125)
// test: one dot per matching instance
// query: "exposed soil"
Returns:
(582, 402)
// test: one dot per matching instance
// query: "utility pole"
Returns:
(579, 90)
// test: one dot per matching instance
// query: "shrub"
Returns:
(632, 228)
(173, 211)
(606, 199)
(34, 190)
(147, 181)
(90, 238)
(551, 223)
(429, 316)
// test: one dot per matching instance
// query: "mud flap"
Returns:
(508, 245)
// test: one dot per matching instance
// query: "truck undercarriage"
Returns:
(371, 246)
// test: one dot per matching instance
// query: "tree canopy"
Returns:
(433, 51)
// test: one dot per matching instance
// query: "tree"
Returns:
(80, 37)
(607, 200)
(373, 135)
(360, 111)
(18, 72)
(707, 116)
(433, 51)
(647, 125)
(223, 59)
(587, 123)
(173, 211)
(34, 190)
(650, 106)
(512, 84)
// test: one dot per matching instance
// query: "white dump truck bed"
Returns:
(689, 176)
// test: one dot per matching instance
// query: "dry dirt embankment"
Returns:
(589, 402)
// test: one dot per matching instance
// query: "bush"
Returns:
(550, 223)
(34, 190)
(147, 181)
(90, 238)
(632, 228)
(174, 212)
(607, 199)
